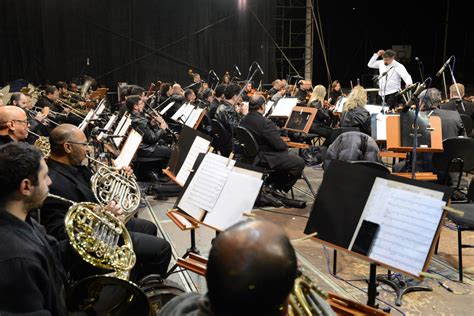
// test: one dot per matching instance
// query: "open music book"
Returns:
(129, 149)
(188, 115)
(283, 107)
(408, 217)
(219, 193)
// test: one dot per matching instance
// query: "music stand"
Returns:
(300, 119)
(339, 222)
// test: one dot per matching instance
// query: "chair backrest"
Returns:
(456, 151)
(373, 165)
(247, 143)
(220, 135)
(470, 191)
(205, 126)
(467, 122)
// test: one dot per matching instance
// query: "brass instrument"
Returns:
(99, 237)
(46, 121)
(81, 113)
(88, 83)
(307, 299)
(42, 143)
(112, 184)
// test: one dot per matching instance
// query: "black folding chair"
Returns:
(467, 122)
(221, 139)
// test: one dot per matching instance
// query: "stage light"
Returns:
(242, 4)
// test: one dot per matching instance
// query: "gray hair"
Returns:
(431, 98)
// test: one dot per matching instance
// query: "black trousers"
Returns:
(153, 253)
(285, 175)
(392, 100)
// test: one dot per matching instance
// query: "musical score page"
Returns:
(206, 185)
(408, 218)
(200, 145)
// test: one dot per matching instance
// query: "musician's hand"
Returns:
(380, 52)
(244, 109)
(40, 117)
(163, 125)
(66, 110)
(113, 208)
(128, 170)
(45, 111)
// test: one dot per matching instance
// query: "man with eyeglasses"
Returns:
(71, 180)
(13, 124)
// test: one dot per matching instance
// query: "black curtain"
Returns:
(136, 41)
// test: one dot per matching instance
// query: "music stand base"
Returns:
(401, 288)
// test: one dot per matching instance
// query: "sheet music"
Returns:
(268, 106)
(204, 189)
(129, 149)
(340, 105)
(193, 117)
(183, 113)
(238, 197)
(169, 106)
(122, 129)
(86, 120)
(408, 217)
(107, 126)
(284, 107)
(200, 145)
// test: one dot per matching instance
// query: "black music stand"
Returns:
(336, 220)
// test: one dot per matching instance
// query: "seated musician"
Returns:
(451, 125)
(129, 91)
(304, 88)
(13, 124)
(251, 270)
(454, 103)
(197, 83)
(207, 97)
(335, 92)
(49, 102)
(37, 122)
(71, 180)
(276, 86)
(354, 113)
(217, 100)
(273, 150)
(153, 132)
(32, 280)
(190, 96)
(322, 122)
(177, 96)
(62, 89)
(228, 113)
(248, 92)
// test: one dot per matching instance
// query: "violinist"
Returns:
(322, 123)
(217, 100)
(153, 130)
(190, 96)
(248, 92)
(335, 92)
(456, 101)
(304, 90)
(228, 114)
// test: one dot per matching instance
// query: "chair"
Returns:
(464, 223)
(467, 122)
(221, 140)
(205, 125)
(457, 157)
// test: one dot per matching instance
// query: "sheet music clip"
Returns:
(230, 158)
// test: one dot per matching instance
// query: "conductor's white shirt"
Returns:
(390, 83)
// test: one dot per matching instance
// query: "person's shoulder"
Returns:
(15, 247)
(185, 304)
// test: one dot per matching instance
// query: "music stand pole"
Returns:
(372, 289)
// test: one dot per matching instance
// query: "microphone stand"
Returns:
(451, 71)
(245, 84)
(444, 86)
(420, 65)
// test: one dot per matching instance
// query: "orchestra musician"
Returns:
(153, 131)
(287, 168)
(335, 93)
(248, 92)
(354, 113)
(303, 90)
(254, 255)
(390, 84)
(62, 89)
(322, 122)
(71, 180)
(229, 113)
(217, 100)
(226, 79)
(454, 103)
(13, 124)
(190, 96)
(37, 122)
(33, 278)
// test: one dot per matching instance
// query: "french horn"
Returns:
(112, 184)
(42, 143)
(99, 237)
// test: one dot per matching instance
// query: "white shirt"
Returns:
(391, 82)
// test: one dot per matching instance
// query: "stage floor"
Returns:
(316, 260)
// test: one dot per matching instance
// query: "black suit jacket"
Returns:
(71, 183)
(32, 277)
(272, 149)
(455, 105)
(451, 123)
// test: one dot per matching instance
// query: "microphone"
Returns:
(418, 60)
(383, 74)
(259, 68)
(215, 75)
(415, 95)
(408, 88)
(440, 72)
(87, 62)
(238, 70)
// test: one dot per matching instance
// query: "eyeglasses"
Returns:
(25, 121)
(85, 144)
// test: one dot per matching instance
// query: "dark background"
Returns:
(149, 40)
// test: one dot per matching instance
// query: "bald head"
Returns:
(13, 122)
(68, 144)
(252, 267)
